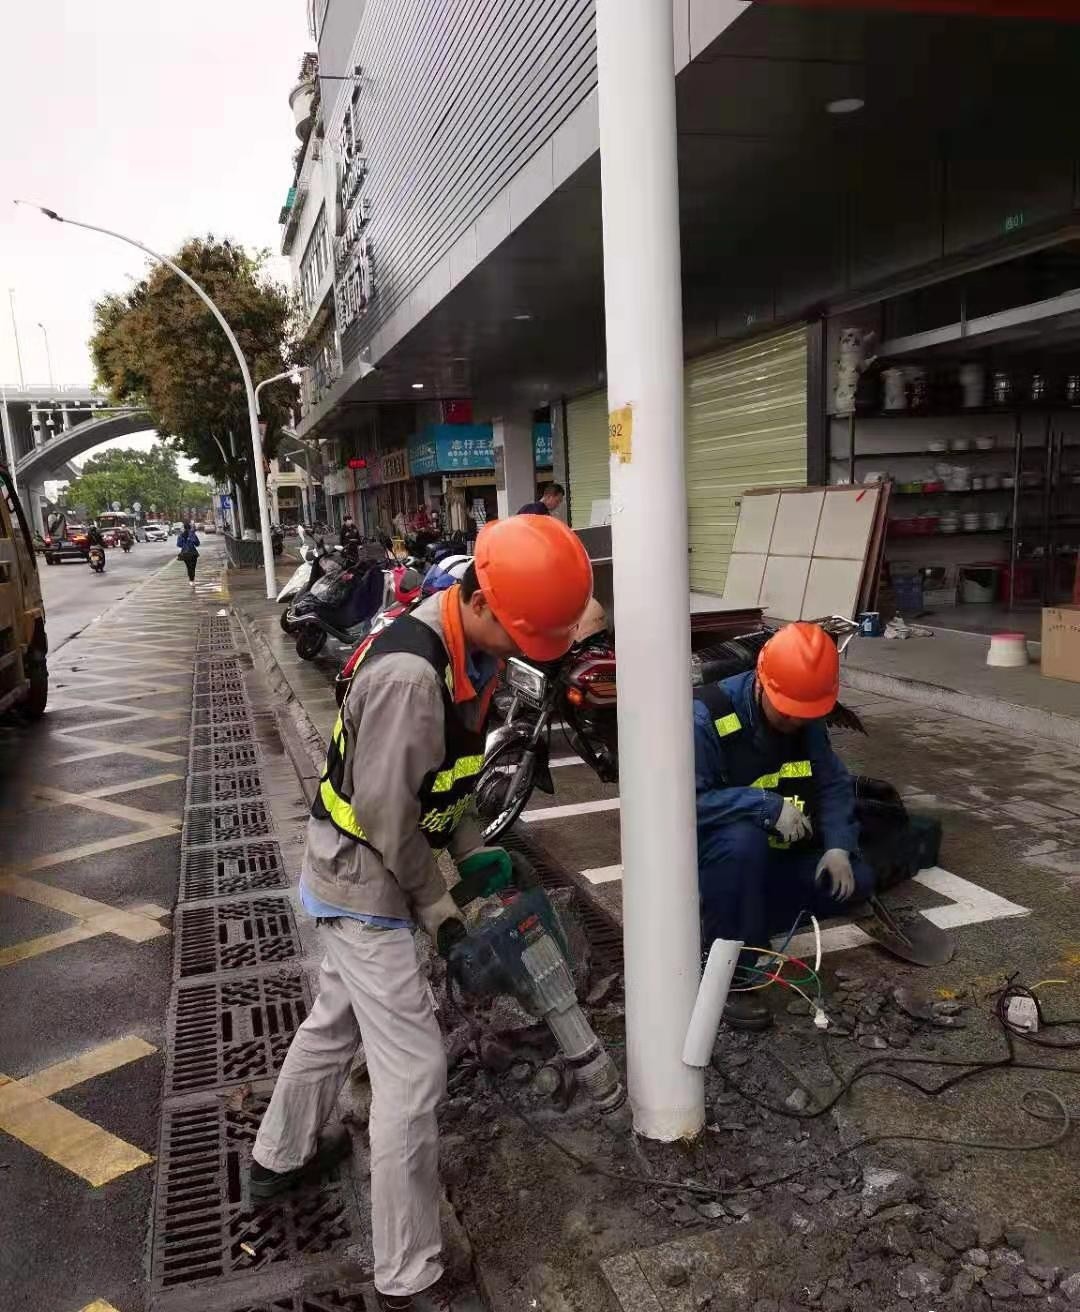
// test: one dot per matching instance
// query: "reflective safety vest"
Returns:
(793, 778)
(444, 792)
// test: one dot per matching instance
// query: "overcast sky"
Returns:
(159, 120)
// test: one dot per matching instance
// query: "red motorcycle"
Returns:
(580, 690)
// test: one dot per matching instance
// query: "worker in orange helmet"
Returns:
(403, 760)
(777, 834)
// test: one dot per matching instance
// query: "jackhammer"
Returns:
(522, 953)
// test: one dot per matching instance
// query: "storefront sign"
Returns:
(393, 466)
(362, 478)
(338, 482)
(446, 448)
(542, 449)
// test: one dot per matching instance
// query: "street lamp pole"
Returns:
(249, 386)
(48, 353)
(15, 334)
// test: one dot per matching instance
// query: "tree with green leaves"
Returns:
(128, 475)
(158, 347)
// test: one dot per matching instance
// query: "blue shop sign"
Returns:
(542, 451)
(448, 448)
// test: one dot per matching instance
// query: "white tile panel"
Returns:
(463, 256)
(493, 225)
(784, 586)
(847, 521)
(757, 514)
(796, 524)
(532, 185)
(742, 587)
(832, 588)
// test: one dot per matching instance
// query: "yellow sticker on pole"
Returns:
(621, 433)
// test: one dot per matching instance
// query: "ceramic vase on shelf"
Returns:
(894, 384)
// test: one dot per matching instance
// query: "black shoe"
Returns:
(747, 1011)
(264, 1183)
(436, 1298)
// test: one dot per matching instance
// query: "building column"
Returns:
(515, 474)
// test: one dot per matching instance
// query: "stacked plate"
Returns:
(971, 521)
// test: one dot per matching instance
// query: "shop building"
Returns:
(884, 167)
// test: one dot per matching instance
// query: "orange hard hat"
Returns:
(799, 668)
(537, 579)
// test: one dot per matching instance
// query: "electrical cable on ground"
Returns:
(874, 1066)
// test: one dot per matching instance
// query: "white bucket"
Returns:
(1007, 650)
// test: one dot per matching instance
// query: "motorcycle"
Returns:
(580, 689)
(320, 562)
(340, 607)
(125, 542)
(96, 557)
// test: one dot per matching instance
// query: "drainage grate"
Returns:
(231, 935)
(223, 756)
(603, 930)
(220, 707)
(204, 1227)
(221, 735)
(230, 1031)
(243, 868)
(335, 1299)
(223, 786)
(227, 823)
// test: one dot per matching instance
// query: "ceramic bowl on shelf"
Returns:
(1007, 481)
(960, 444)
(937, 446)
(994, 519)
(985, 443)
(991, 482)
(978, 483)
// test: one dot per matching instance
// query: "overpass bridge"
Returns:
(47, 425)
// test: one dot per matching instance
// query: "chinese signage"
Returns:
(542, 453)
(447, 448)
(337, 482)
(393, 466)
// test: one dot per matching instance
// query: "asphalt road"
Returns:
(75, 595)
(91, 800)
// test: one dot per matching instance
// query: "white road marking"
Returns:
(574, 808)
(564, 760)
(603, 874)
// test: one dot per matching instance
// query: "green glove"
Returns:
(487, 870)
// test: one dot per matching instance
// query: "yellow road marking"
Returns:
(136, 815)
(86, 849)
(37, 947)
(71, 1141)
(97, 917)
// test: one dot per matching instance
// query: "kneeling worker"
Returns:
(403, 760)
(777, 834)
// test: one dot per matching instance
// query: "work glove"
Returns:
(486, 871)
(792, 824)
(836, 864)
(442, 922)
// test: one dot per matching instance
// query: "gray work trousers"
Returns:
(371, 991)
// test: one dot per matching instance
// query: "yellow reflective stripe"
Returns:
(727, 724)
(462, 768)
(339, 811)
(789, 770)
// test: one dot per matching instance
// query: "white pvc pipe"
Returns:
(643, 301)
(245, 372)
(711, 997)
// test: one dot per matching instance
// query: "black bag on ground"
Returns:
(896, 843)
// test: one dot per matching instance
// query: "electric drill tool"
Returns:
(522, 952)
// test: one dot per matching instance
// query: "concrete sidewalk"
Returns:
(948, 672)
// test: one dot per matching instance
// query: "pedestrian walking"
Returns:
(551, 498)
(187, 540)
(404, 758)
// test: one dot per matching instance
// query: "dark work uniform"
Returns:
(753, 885)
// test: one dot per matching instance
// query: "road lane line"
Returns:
(603, 874)
(971, 905)
(565, 760)
(574, 808)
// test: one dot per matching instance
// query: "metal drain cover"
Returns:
(241, 868)
(246, 818)
(220, 708)
(230, 935)
(204, 1227)
(223, 786)
(331, 1299)
(222, 756)
(228, 1031)
(221, 735)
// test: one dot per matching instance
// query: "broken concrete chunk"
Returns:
(918, 1281)
(911, 1004)
(797, 1100)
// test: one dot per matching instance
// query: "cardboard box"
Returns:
(1061, 642)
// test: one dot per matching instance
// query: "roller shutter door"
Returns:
(745, 427)
(587, 455)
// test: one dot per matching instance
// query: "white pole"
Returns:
(15, 334)
(48, 354)
(249, 386)
(643, 301)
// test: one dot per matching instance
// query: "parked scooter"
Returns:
(581, 691)
(320, 562)
(344, 610)
(96, 557)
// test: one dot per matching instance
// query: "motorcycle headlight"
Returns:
(526, 680)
